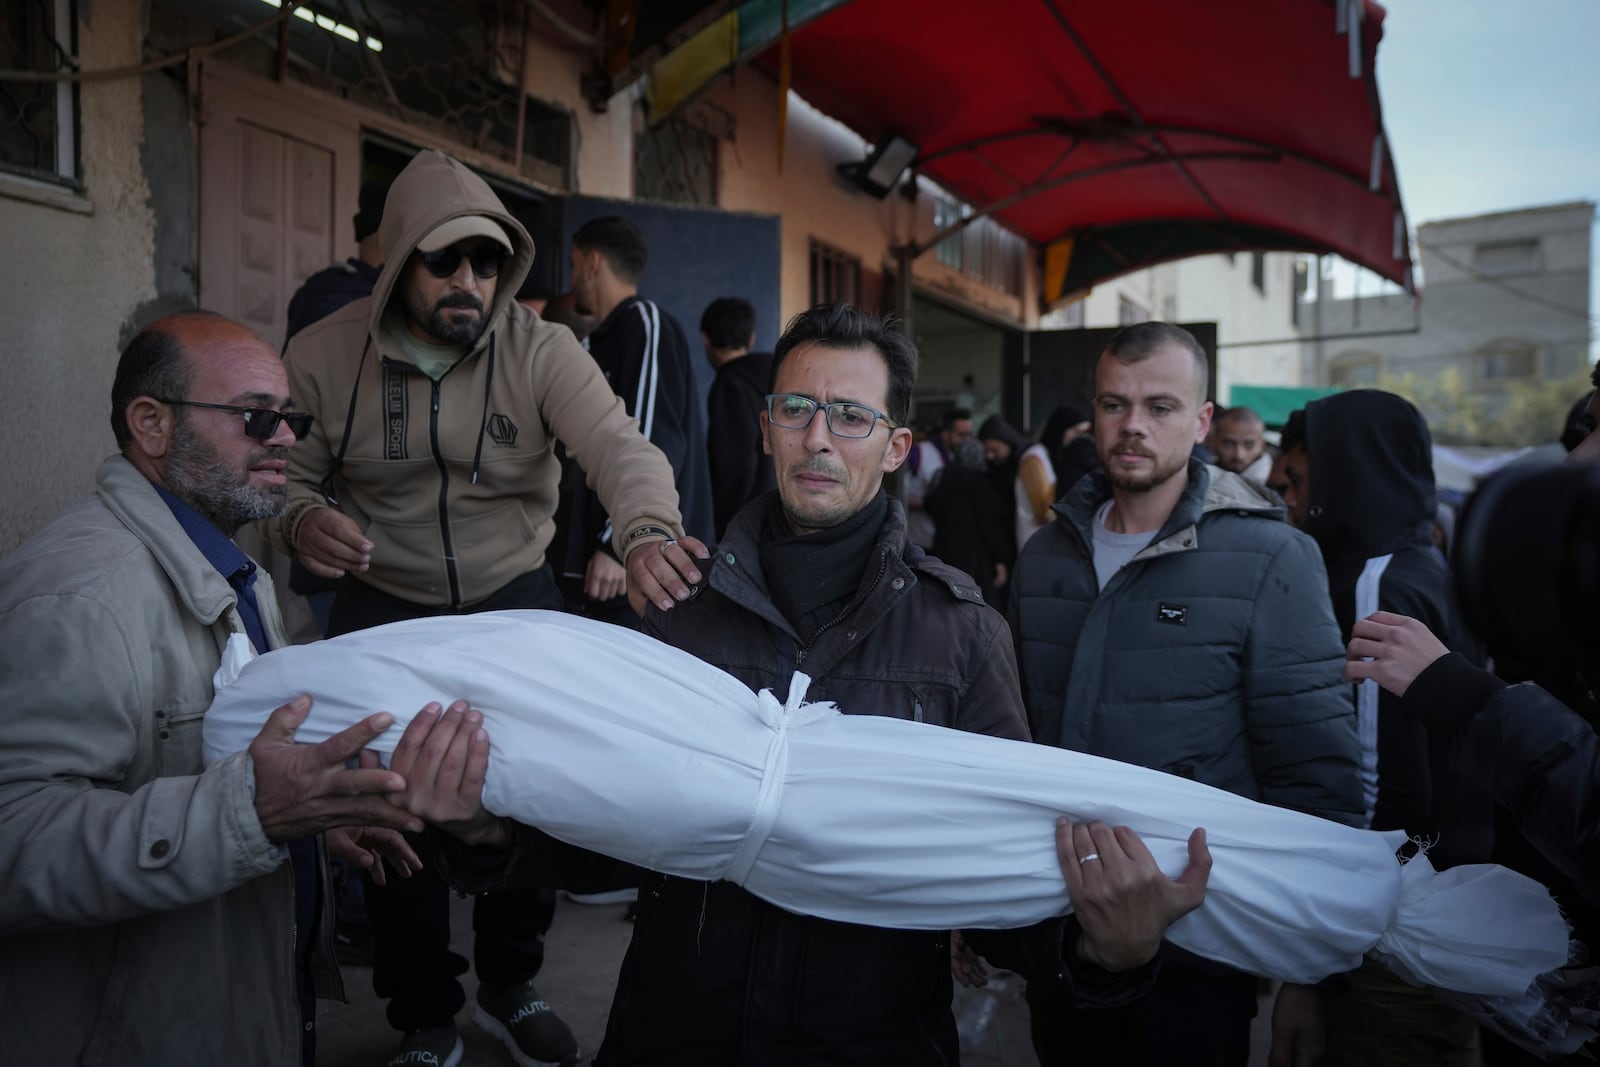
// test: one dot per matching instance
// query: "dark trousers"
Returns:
(1188, 1020)
(412, 965)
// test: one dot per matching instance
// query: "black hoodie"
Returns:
(1371, 512)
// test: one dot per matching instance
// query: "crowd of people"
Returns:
(433, 441)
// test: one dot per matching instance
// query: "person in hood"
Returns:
(1167, 617)
(740, 471)
(428, 483)
(972, 521)
(1360, 471)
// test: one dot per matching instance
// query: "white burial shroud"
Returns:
(611, 740)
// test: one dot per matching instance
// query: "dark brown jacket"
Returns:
(715, 975)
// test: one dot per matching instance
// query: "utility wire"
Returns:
(1532, 298)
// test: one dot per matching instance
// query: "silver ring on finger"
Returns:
(1090, 856)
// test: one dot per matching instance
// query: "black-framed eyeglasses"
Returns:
(259, 423)
(794, 412)
(486, 260)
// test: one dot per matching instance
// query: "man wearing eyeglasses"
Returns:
(428, 484)
(144, 889)
(819, 576)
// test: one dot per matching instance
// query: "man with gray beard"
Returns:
(144, 888)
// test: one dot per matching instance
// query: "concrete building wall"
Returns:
(1492, 284)
(816, 203)
(604, 139)
(813, 200)
(1215, 289)
(85, 266)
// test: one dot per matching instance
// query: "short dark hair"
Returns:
(728, 322)
(953, 416)
(154, 364)
(1238, 413)
(370, 202)
(1294, 432)
(847, 326)
(1137, 343)
(619, 240)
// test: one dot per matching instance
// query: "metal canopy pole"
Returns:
(903, 255)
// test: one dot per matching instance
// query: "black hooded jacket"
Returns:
(1371, 511)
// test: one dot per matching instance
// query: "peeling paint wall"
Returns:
(81, 269)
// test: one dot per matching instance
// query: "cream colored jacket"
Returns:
(144, 916)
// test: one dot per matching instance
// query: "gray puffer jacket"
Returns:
(1213, 654)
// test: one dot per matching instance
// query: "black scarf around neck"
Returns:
(812, 577)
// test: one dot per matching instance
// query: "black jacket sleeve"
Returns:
(733, 447)
(1405, 776)
(655, 380)
(1045, 955)
(1533, 755)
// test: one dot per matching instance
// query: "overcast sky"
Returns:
(1492, 106)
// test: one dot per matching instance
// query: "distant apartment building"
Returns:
(1505, 299)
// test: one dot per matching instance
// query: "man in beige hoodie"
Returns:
(428, 484)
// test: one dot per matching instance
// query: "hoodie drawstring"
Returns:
(349, 422)
(483, 422)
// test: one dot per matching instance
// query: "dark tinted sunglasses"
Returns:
(259, 423)
(486, 259)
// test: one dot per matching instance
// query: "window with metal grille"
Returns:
(835, 275)
(676, 163)
(38, 120)
(452, 70)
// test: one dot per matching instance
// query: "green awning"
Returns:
(1275, 402)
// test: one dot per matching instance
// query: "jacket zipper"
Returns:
(444, 500)
(883, 565)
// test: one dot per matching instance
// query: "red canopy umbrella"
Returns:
(1126, 134)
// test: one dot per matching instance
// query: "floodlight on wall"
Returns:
(881, 170)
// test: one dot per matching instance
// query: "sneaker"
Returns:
(527, 1025)
(437, 1047)
(610, 896)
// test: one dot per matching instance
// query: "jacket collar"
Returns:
(736, 571)
(130, 496)
(615, 318)
(1210, 489)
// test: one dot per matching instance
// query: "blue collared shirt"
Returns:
(229, 561)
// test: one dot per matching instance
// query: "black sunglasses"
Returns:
(259, 423)
(486, 259)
